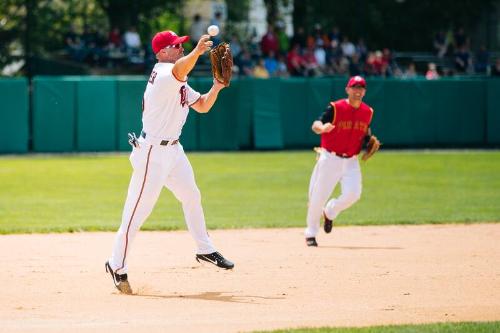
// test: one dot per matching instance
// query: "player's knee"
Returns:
(353, 196)
(191, 195)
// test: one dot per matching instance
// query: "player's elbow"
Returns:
(201, 107)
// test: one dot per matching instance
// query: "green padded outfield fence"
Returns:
(94, 113)
(14, 115)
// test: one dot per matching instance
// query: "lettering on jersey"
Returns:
(183, 93)
(152, 77)
(357, 126)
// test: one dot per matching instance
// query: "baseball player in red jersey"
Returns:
(344, 128)
(158, 159)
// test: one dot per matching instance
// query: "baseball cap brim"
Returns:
(180, 40)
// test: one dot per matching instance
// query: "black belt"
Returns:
(343, 155)
(163, 142)
(339, 155)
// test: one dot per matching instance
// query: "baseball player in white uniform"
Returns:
(158, 159)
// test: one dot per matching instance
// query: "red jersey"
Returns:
(351, 126)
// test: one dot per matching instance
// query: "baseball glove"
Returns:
(371, 148)
(222, 63)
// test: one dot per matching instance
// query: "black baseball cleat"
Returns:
(327, 226)
(215, 258)
(311, 241)
(120, 280)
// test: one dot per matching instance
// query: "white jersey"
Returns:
(166, 103)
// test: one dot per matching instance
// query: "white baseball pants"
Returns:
(155, 167)
(329, 170)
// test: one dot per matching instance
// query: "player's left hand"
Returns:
(218, 85)
(204, 44)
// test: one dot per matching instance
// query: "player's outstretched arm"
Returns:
(185, 64)
(206, 101)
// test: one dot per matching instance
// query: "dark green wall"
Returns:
(96, 113)
(54, 114)
(14, 116)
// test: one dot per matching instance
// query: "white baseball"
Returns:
(213, 30)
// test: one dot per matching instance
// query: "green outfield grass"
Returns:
(249, 190)
(484, 327)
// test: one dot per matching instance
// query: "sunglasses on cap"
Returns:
(175, 46)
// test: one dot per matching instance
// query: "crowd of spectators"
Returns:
(111, 50)
(331, 52)
(322, 52)
(456, 45)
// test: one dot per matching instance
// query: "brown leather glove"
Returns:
(222, 63)
(371, 148)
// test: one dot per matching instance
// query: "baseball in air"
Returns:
(213, 30)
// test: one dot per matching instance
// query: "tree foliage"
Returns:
(38, 26)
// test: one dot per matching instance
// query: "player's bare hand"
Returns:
(204, 44)
(328, 127)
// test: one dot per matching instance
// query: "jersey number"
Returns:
(183, 96)
(152, 77)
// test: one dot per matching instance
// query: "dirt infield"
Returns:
(358, 276)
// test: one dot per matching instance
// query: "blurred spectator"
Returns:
(411, 72)
(271, 64)
(310, 42)
(343, 66)
(312, 67)
(369, 67)
(355, 67)
(361, 49)
(133, 45)
(460, 38)
(132, 38)
(375, 63)
(269, 42)
(463, 60)
(282, 68)
(235, 46)
(217, 20)
(115, 38)
(320, 55)
(94, 45)
(299, 38)
(482, 60)
(260, 70)
(115, 48)
(100, 50)
(440, 44)
(245, 63)
(283, 41)
(431, 73)
(198, 29)
(74, 44)
(317, 39)
(348, 48)
(295, 63)
(334, 37)
(387, 62)
(495, 70)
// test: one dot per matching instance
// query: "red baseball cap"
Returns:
(356, 81)
(166, 38)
